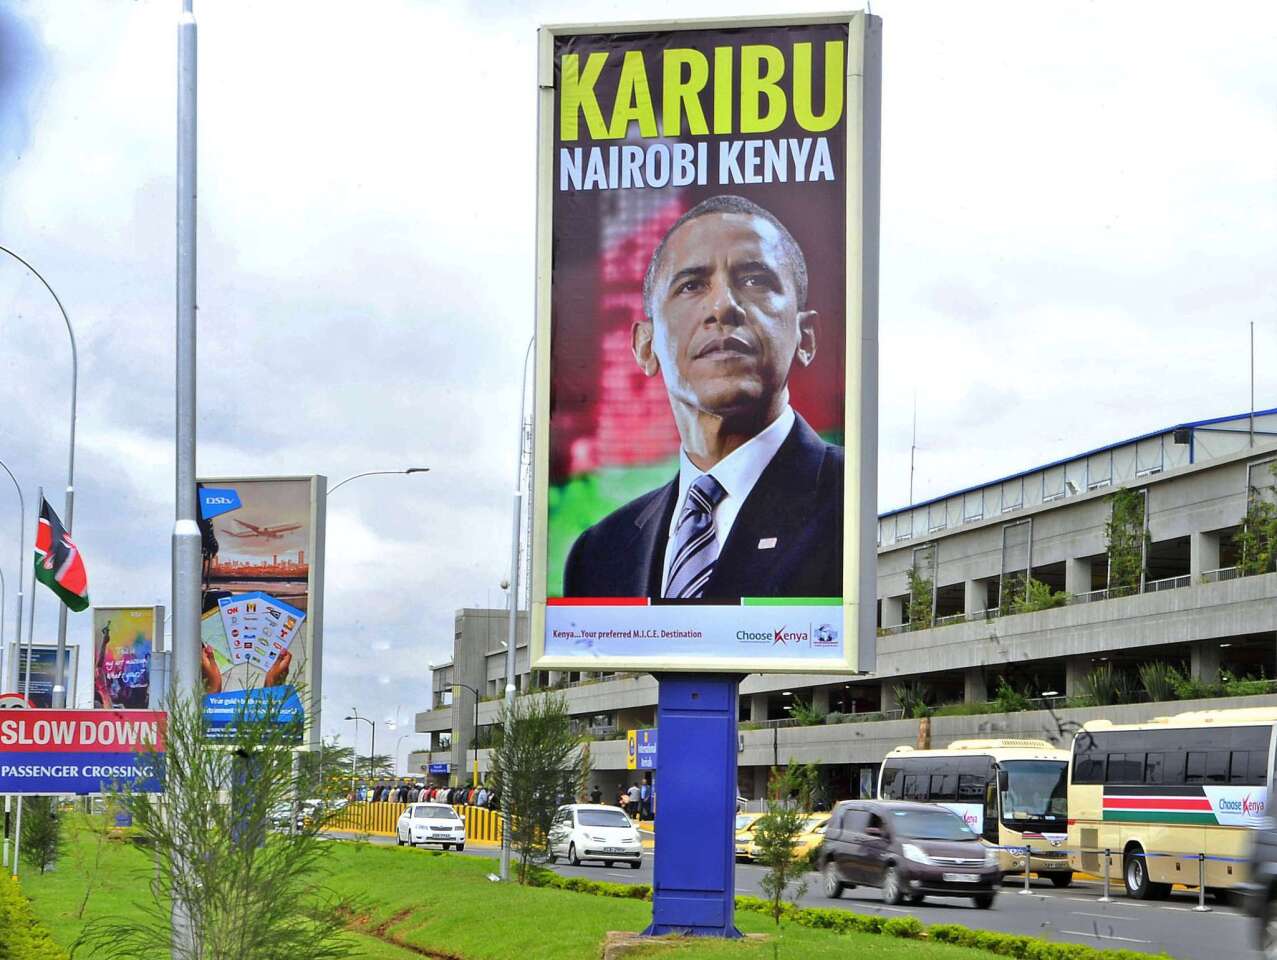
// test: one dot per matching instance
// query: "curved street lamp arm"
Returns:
(374, 473)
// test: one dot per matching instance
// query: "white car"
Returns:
(592, 831)
(431, 823)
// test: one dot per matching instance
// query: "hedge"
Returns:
(21, 936)
(1016, 946)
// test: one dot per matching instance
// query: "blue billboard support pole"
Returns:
(694, 883)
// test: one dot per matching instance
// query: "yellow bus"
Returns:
(1012, 793)
(1158, 794)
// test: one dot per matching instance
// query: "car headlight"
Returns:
(914, 853)
(991, 858)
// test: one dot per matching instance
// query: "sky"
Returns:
(1079, 224)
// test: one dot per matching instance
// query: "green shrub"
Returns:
(806, 713)
(913, 698)
(1039, 596)
(907, 928)
(1191, 688)
(922, 594)
(1128, 539)
(1104, 686)
(1008, 699)
(1159, 679)
(21, 936)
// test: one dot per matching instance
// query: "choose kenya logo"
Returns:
(1247, 806)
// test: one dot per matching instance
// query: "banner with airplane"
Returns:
(263, 555)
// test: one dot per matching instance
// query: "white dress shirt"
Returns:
(736, 473)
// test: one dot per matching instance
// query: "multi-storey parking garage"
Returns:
(1136, 553)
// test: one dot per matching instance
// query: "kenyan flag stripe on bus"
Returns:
(1147, 808)
(58, 564)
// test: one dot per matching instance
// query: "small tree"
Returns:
(325, 771)
(42, 838)
(537, 764)
(244, 892)
(922, 595)
(776, 835)
(1127, 535)
(1257, 538)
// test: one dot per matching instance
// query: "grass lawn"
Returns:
(443, 904)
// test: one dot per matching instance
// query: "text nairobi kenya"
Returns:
(758, 98)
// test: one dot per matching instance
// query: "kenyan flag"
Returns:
(58, 564)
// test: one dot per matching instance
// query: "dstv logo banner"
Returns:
(214, 502)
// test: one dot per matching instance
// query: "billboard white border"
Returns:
(314, 590)
(863, 118)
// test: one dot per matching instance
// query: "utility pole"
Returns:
(185, 677)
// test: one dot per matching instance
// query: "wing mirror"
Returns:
(874, 832)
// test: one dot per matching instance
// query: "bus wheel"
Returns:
(1135, 873)
(1061, 880)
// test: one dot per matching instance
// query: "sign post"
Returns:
(705, 479)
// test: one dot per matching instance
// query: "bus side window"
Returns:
(1153, 768)
(991, 832)
(1089, 768)
(970, 788)
(916, 787)
(1173, 768)
(890, 788)
(1195, 767)
(1217, 767)
(944, 787)
(1258, 767)
(1239, 766)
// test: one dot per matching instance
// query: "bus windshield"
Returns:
(1035, 790)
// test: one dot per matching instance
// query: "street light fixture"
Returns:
(474, 738)
(376, 473)
(372, 750)
(68, 510)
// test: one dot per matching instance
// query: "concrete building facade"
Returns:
(955, 618)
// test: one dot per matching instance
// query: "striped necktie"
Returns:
(695, 546)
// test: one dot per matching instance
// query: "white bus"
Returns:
(1158, 794)
(1013, 793)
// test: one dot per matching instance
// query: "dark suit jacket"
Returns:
(797, 500)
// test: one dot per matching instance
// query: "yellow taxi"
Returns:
(744, 833)
(813, 833)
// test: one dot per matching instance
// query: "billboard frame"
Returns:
(318, 515)
(863, 108)
(157, 641)
(73, 666)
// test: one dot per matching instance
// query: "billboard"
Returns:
(44, 658)
(49, 752)
(262, 623)
(705, 469)
(124, 640)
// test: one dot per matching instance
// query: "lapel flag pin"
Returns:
(767, 543)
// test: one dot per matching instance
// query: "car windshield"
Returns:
(744, 820)
(435, 812)
(602, 818)
(935, 824)
(815, 823)
(1035, 790)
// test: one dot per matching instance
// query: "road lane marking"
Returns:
(1104, 916)
(1096, 936)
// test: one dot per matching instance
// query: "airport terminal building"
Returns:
(1113, 558)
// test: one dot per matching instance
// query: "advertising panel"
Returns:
(640, 749)
(44, 660)
(706, 346)
(48, 752)
(262, 591)
(124, 640)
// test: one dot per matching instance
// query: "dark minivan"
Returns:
(908, 850)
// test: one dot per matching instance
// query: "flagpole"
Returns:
(68, 512)
(26, 692)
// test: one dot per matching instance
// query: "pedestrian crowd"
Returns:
(479, 796)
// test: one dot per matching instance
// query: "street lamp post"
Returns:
(399, 743)
(68, 510)
(474, 737)
(22, 562)
(372, 750)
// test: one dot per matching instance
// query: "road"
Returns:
(1075, 915)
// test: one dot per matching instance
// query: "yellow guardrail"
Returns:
(482, 824)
